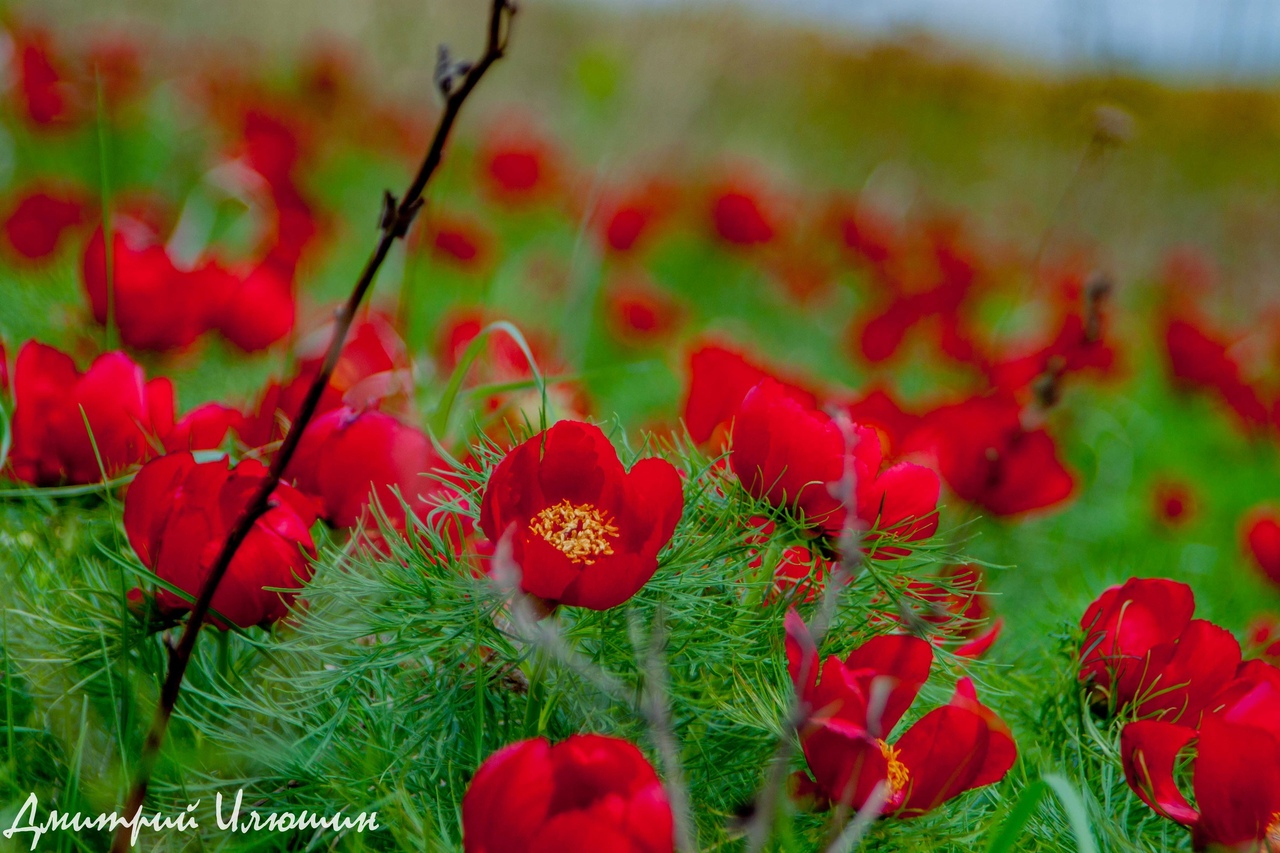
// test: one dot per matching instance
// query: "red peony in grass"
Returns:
(852, 707)
(53, 401)
(1143, 651)
(346, 458)
(584, 531)
(586, 794)
(795, 457)
(177, 513)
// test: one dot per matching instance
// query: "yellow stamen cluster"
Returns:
(1273, 834)
(579, 531)
(898, 773)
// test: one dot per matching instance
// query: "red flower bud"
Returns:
(35, 226)
(1260, 532)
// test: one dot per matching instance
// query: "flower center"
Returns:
(579, 531)
(898, 773)
(1273, 834)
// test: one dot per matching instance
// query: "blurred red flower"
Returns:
(40, 218)
(257, 306)
(463, 242)
(740, 218)
(177, 513)
(56, 407)
(1143, 651)
(795, 457)
(1201, 359)
(374, 367)
(1173, 502)
(587, 793)
(1262, 639)
(1235, 775)
(639, 312)
(988, 457)
(718, 380)
(518, 166)
(346, 459)
(1260, 535)
(852, 707)
(154, 306)
(584, 531)
(959, 605)
(44, 93)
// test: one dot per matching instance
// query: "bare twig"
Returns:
(397, 216)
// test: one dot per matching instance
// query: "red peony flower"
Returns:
(177, 514)
(718, 380)
(45, 96)
(258, 305)
(1201, 359)
(1143, 651)
(1235, 775)
(587, 794)
(374, 367)
(795, 457)
(346, 457)
(852, 708)
(958, 604)
(126, 414)
(584, 531)
(740, 218)
(517, 165)
(156, 306)
(989, 458)
(40, 218)
(878, 407)
(203, 428)
(1260, 534)
(463, 242)
(1173, 503)
(639, 312)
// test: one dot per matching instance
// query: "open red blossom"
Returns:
(1235, 775)
(348, 458)
(56, 408)
(718, 380)
(203, 428)
(1260, 535)
(39, 218)
(586, 794)
(796, 457)
(1143, 651)
(989, 458)
(154, 305)
(852, 707)
(177, 514)
(583, 530)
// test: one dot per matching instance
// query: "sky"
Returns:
(1219, 39)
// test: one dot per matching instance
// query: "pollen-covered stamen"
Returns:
(898, 773)
(579, 531)
(1273, 834)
